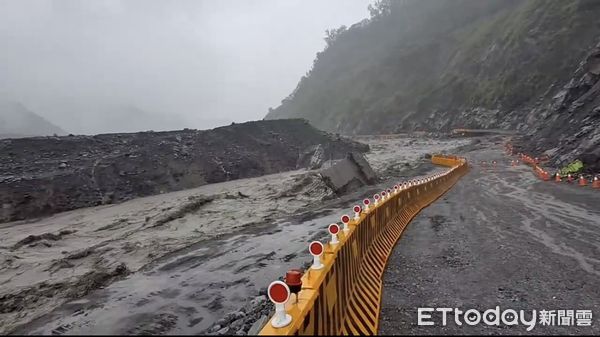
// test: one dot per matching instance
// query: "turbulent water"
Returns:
(176, 262)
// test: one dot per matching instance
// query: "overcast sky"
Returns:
(94, 66)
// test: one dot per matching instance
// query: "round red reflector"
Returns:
(366, 201)
(334, 228)
(382, 192)
(357, 209)
(345, 219)
(376, 197)
(315, 248)
(279, 292)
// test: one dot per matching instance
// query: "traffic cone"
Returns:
(569, 178)
(545, 176)
(596, 183)
(557, 178)
(582, 181)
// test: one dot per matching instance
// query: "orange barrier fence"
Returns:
(341, 292)
(544, 175)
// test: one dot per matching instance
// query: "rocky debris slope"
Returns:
(45, 175)
(567, 120)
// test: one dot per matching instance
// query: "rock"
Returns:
(237, 324)
(348, 174)
(240, 333)
(223, 331)
(258, 300)
(257, 326)
(318, 158)
(63, 165)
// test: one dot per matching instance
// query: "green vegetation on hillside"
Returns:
(420, 64)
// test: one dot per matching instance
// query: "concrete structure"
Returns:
(349, 173)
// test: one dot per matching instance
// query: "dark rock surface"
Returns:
(249, 320)
(568, 120)
(348, 174)
(44, 175)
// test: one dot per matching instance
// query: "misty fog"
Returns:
(131, 65)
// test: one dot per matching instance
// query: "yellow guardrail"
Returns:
(344, 296)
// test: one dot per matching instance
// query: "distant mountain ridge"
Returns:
(16, 121)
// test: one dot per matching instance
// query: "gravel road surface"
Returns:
(500, 237)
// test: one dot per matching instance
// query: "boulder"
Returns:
(348, 174)
(257, 326)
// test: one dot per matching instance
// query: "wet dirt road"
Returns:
(500, 237)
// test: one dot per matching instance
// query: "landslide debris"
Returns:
(45, 175)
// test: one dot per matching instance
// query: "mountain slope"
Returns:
(18, 121)
(566, 123)
(444, 64)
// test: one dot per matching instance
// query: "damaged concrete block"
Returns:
(348, 174)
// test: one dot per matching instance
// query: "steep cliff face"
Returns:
(566, 123)
(444, 64)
